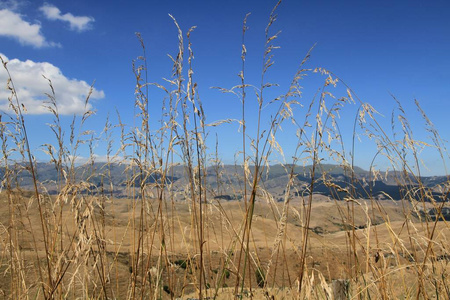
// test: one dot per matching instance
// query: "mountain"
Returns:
(225, 181)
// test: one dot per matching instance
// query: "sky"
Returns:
(380, 49)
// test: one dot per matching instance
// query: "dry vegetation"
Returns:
(175, 240)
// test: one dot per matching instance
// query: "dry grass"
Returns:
(171, 239)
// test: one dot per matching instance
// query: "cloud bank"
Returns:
(14, 26)
(31, 88)
(78, 23)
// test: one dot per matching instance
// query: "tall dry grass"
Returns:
(172, 236)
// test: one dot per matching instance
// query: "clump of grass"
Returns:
(260, 277)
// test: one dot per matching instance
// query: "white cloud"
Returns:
(81, 160)
(12, 25)
(31, 88)
(79, 23)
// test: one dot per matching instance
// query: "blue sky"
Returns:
(378, 48)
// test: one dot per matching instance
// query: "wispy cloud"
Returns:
(31, 88)
(79, 23)
(14, 26)
(11, 4)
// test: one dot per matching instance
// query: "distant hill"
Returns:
(224, 181)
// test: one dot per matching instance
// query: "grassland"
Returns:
(167, 239)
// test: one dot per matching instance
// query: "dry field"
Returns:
(386, 254)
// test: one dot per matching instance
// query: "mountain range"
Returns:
(226, 181)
